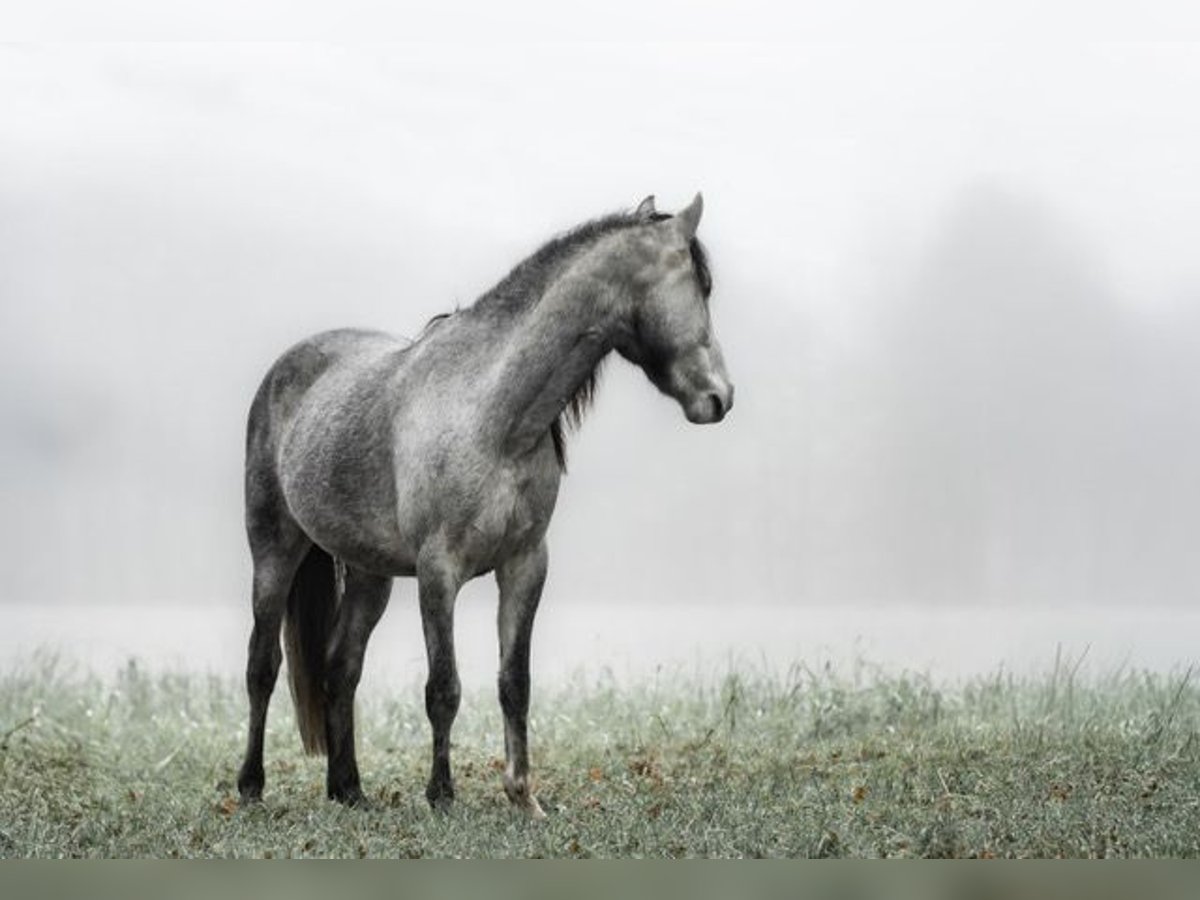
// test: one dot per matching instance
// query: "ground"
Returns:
(753, 764)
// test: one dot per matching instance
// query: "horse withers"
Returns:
(370, 457)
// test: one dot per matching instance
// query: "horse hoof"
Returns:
(351, 797)
(250, 784)
(522, 797)
(440, 796)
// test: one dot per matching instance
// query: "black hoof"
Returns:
(349, 796)
(440, 795)
(250, 787)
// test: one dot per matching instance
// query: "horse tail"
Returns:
(308, 626)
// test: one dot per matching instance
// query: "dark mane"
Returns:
(528, 280)
(572, 415)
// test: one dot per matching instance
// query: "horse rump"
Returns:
(307, 629)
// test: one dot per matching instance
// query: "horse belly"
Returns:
(360, 534)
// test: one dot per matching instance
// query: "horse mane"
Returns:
(524, 286)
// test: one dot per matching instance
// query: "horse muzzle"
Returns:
(711, 405)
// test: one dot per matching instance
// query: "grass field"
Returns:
(807, 764)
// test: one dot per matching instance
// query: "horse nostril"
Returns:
(717, 406)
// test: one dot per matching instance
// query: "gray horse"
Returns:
(369, 457)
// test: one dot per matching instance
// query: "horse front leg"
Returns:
(438, 585)
(520, 580)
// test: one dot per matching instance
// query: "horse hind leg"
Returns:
(275, 565)
(520, 580)
(363, 602)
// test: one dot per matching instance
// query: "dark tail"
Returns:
(307, 628)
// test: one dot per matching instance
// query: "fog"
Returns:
(957, 288)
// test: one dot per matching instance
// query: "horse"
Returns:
(370, 457)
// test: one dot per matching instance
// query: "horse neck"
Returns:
(555, 346)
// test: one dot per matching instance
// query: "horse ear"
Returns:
(645, 209)
(688, 218)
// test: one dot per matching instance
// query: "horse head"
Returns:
(669, 334)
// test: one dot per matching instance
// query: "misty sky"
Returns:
(958, 290)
